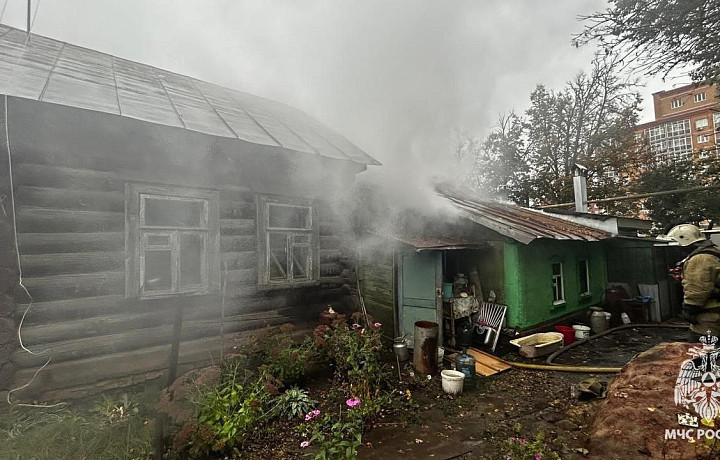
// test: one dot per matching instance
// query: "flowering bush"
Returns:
(536, 449)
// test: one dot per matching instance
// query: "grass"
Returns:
(30, 433)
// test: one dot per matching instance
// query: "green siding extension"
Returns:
(529, 279)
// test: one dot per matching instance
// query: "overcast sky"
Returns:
(396, 77)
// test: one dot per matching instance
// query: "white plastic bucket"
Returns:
(452, 382)
(581, 332)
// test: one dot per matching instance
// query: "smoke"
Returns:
(399, 78)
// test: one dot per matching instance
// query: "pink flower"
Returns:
(523, 441)
(377, 324)
(538, 456)
(304, 444)
(356, 326)
(352, 402)
(412, 374)
(363, 331)
(512, 438)
(312, 415)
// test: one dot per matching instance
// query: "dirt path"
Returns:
(517, 403)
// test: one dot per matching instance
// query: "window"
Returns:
(173, 241)
(584, 272)
(716, 121)
(289, 232)
(557, 281)
(676, 103)
(699, 97)
(703, 138)
(701, 123)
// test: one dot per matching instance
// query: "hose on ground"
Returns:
(550, 366)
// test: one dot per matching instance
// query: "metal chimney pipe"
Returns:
(580, 188)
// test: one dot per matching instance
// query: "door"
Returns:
(419, 291)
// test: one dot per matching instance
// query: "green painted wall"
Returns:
(528, 279)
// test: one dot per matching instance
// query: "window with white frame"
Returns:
(557, 282)
(716, 120)
(172, 241)
(289, 233)
(676, 103)
(703, 138)
(584, 274)
(701, 123)
(699, 97)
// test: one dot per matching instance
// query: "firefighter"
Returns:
(700, 279)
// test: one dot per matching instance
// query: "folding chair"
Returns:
(490, 320)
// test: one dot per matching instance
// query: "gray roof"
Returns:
(521, 224)
(53, 71)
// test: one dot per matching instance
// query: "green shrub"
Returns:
(534, 449)
(292, 404)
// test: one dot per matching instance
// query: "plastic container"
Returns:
(581, 332)
(447, 290)
(598, 322)
(452, 382)
(568, 334)
(465, 363)
(540, 344)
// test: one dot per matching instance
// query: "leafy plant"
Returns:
(536, 449)
(116, 411)
(292, 404)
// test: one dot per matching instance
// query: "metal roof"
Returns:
(434, 242)
(521, 224)
(53, 71)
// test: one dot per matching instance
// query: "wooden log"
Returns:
(56, 264)
(60, 287)
(237, 227)
(80, 308)
(239, 278)
(52, 243)
(236, 243)
(55, 198)
(66, 178)
(239, 260)
(329, 255)
(330, 242)
(329, 228)
(330, 269)
(44, 220)
(237, 209)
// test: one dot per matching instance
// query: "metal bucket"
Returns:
(400, 348)
(425, 351)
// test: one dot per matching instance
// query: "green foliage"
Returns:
(354, 350)
(292, 404)
(535, 449)
(116, 411)
(285, 359)
(531, 157)
(670, 210)
(53, 433)
(657, 36)
(233, 410)
(333, 438)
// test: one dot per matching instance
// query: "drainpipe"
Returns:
(580, 188)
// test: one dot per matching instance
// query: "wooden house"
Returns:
(539, 265)
(156, 216)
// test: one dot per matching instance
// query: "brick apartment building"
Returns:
(687, 120)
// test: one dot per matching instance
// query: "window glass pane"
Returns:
(301, 262)
(584, 281)
(277, 256)
(163, 212)
(282, 216)
(556, 269)
(192, 247)
(158, 274)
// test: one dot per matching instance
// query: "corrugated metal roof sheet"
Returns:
(52, 71)
(425, 243)
(521, 224)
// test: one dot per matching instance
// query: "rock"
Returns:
(551, 417)
(567, 425)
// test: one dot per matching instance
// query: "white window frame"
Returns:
(558, 291)
(701, 123)
(584, 265)
(311, 232)
(700, 97)
(703, 138)
(138, 235)
(676, 103)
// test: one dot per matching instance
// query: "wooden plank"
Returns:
(236, 243)
(66, 178)
(61, 287)
(44, 220)
(328, 255)
(329, 228)
(56, 264)
(238, 227)
(236, 278)
(480, 368)
(237, 209)
(488, 360)
(330, 269)
(57, 198)
(72, 309)
(53, 243)
(239, 260)
(330, 242)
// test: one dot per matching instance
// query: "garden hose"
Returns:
(550, 366)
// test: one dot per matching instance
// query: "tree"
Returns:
(692, 207)
(591, 122)
(657, 36)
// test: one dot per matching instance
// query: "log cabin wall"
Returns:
(71, 168)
